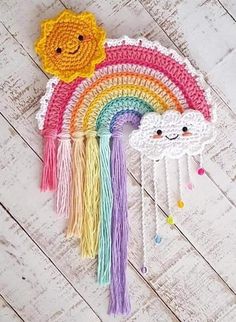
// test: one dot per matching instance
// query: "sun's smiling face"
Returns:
(71, 45)
(172, 134)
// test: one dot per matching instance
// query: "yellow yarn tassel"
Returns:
(77, 182)
(90, 225)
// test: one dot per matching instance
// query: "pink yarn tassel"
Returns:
(63, 175)
(49, 175)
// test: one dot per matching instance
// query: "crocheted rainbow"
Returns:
(137, 76)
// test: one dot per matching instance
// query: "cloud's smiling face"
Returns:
(172, 134)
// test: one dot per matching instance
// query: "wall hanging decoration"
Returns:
(98, 86)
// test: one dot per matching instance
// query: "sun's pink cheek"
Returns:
(87, 39)
(187, 134)
(157, 136)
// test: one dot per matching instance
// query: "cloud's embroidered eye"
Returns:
(159, 132)
(185, 129)
(81, 38)
(58, 50)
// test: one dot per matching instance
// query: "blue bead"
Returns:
(158, 239)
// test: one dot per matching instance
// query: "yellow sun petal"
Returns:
(71, 45)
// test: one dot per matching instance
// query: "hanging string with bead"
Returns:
(157, 238)
(144, 268)
(170, 218)
(189, 173)
(180, 202)
(201, 170)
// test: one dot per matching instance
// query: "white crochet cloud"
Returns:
(172, 134)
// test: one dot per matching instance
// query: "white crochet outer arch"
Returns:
(172, 134)
(44, 101)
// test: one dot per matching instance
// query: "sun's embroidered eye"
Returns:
(185, 129)
(81, 38)
(159, 132)
(58, 50)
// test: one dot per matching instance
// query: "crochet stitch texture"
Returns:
(98, 88)
(71, 45)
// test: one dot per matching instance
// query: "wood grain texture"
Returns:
(203, 32)
(180, 275)
(230, 7)
(202, 218)
(29, 280)
(191, 275)
(7, 313)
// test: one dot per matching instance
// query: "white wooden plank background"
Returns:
(192, 274)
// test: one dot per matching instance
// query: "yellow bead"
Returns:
(170, 220)
(180, 204)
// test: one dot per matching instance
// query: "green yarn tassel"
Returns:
(106, 201)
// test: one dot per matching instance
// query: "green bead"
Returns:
(170, 220)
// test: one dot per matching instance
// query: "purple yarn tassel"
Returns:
(119, 298)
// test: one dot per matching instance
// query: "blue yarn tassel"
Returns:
(106, 201)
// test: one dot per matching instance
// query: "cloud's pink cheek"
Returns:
(156, 136)
(187, 134)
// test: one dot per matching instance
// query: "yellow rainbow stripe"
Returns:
(111, 86)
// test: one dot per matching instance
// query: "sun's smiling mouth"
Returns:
(75, 51)
(175, 137)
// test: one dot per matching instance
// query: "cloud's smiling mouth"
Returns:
(75, 51)
(175, 137)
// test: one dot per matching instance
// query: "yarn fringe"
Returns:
(49, 173)
(63, 175)
(90, 225)
(119, 299)
(77, 178)
(104, 251)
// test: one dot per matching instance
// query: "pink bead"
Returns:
(190, 186)
(201, 171)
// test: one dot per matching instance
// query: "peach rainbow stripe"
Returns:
(130, 74)
(120, 84)
(88, 119)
